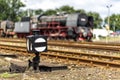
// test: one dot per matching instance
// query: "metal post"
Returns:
(36, 61)
(28, 12)
(114, 26)
(109, 6)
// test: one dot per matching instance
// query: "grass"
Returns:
(7, 75)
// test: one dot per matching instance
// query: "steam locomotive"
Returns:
(68, 26)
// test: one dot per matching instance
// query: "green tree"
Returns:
(114, 21)
(13, 9)
(9, 9)
(3, 8)
(66, 9)
(38, 12)
(22, 13)
(50, 12)
(80, 11)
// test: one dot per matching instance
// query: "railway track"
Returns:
(62, 41)
(65, 55)
(88, 45)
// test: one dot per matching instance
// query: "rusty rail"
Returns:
(70, 57)
(89, 45)
(61, 41)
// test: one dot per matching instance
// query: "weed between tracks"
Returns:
(8, 75)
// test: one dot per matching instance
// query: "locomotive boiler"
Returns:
(64, 26)
(76, 26)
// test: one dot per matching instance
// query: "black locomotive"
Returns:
(64, 26)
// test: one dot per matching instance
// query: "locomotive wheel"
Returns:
(3, 34)
(89, 39)
(75, 37)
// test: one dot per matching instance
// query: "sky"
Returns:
(98, 6)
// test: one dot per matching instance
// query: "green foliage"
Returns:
(13, 9)
(66, 9)
(7, 75)
(39, 11)
(80, 11)
(114, 21)
(9, 9)
(3, 8)
(50, 12)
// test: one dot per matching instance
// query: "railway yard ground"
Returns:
(74, 71)
(82, 72)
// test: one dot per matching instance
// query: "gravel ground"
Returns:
(72, 73)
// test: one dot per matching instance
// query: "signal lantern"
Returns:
(36, 43)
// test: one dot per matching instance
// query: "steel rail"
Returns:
(69, 57)
(90, 61)
(113, 48)
(61, 41)
(75, 45)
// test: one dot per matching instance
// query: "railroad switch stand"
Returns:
(35, 62)
(35, 44)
